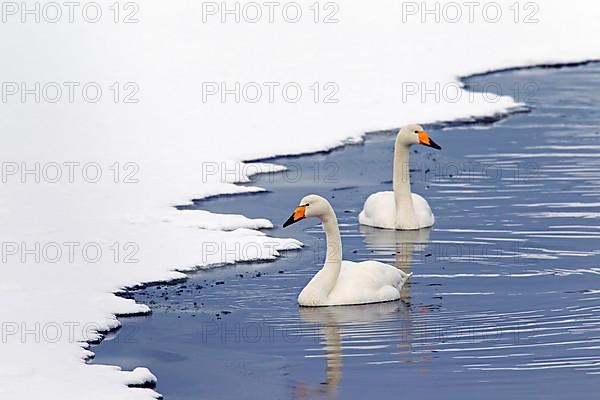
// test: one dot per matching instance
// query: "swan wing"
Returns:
(423, 212)
(379, 211)
(367, 282)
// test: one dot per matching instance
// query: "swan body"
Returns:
(380, 211)
(357, 283)
(344, 282)
(400, 209)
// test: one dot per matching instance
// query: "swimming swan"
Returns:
(344, 282)
(400, 209)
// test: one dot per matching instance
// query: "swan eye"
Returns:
(417, 132)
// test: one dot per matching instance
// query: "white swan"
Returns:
(400, 209)
(344, 282)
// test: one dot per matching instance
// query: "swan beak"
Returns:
(425, 140)
(299, 214)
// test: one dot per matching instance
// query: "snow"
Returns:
(172, 147)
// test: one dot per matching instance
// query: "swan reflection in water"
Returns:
(400, 244)
(358, 322)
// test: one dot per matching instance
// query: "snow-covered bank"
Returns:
(173, 146)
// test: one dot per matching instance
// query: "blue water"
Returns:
(505, 297)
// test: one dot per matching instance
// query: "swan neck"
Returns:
(401, 181)
(333, 258)
(320, 286)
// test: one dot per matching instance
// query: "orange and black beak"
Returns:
(425, 140)
(299, 214)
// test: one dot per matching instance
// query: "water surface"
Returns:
(505, 297)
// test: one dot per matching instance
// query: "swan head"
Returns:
(415, 134)
(310, 206)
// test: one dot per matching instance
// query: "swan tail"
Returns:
(405, 276)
